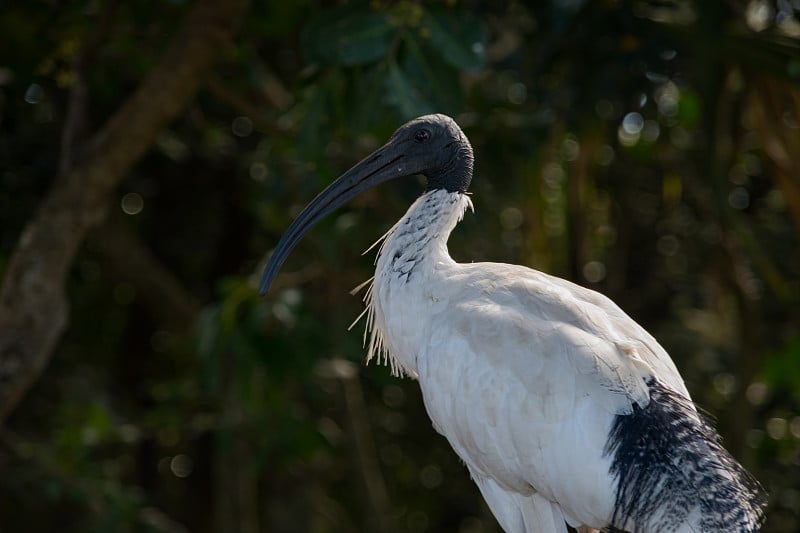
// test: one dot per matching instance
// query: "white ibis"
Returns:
(563, 408)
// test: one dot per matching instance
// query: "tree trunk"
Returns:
(33, 307)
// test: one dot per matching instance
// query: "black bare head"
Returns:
(432, 145)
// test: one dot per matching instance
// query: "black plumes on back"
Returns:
(669, 465)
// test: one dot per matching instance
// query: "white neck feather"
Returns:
(407, 251)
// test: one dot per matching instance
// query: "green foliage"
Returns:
(404, 95)
(410, 57)
(349, 36)
(457, 36)
(633, 147)
(781, 369)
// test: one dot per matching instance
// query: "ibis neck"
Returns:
(421, 235)
(413, 250)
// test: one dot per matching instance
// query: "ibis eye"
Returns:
(422, 135)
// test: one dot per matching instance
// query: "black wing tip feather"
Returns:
(668, 460)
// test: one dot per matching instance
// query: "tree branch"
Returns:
(75, 127)
(159, 290)
(239, 104)
(33, 307)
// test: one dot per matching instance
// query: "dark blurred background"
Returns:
(649, 150)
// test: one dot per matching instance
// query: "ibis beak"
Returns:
(384, 164)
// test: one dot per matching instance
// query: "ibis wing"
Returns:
(612, 322)
(524, 377)
(552, 334)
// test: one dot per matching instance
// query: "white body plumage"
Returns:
(522, 372)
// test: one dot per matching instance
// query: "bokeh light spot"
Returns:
(668, 245)
(594, 271)
(517, 93)
(34, 94)
(431, 477)
(633, 123)
(511, 218)
(132, 203)
(739, 198)
(570, 149)
(258, 171)
(725, 384)
(604, 155)
(756, 393)
(630, 129)
(776, 428)
(242, 126)
(181, 465)
(650, 131)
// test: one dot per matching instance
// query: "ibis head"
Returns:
(432, 145)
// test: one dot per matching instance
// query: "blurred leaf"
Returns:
(404, 96)
(436, 81)
(348, 36)
(315, 110)
(369, 98)
(99, 420)
(458, 36)
(277, 18)
(689, 108)
(782, 368)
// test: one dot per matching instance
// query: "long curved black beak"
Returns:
(384, 164)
